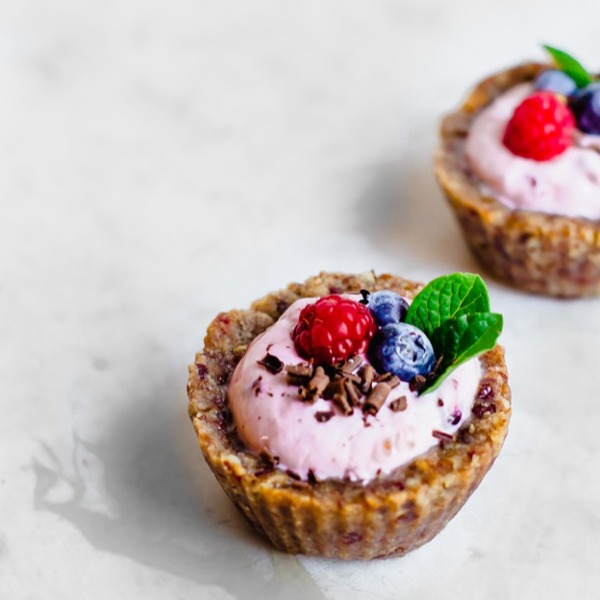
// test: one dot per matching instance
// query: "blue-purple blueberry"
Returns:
(386, 307)
(586, 108)
(556, 81)
(403, 350)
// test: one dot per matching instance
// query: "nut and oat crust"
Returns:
(390, 515)
(537, 252)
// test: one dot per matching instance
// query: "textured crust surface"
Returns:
(537, 252)
(390, 515)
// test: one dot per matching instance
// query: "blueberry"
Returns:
(387, 307)
(556, 81)
(403, 350)
(586, 108)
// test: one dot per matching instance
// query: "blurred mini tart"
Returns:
(319, 459)
(534, 223)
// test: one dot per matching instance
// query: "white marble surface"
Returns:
(164, 160)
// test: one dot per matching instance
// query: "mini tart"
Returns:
(390, 515)
(534, 251)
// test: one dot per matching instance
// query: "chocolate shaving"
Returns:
(340, 399)
(323, 416)
(440, 435)
(353, 378)
(271, 363)
(353, 393)
(299, 374)
(376, 398)
(399, 404)
(312, 478)
(367, 374)
(351, 364)
(315, 387)
(417, 384)
(393, 381)
(333, 388)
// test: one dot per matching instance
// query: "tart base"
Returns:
(390, 515)
(533, 251)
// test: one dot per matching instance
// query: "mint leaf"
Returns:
(572, 67)
(447, 297)
(462, 338)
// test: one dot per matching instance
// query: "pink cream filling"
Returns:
(270, 417)
(566, 185)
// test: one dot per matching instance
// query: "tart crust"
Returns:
(534, 251)
(390, 515)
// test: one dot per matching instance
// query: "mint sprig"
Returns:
(446, 298)
(454, 312)
(571, 66)
(458, 340)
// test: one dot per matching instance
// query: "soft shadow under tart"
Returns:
(537, 252)
(390, 515)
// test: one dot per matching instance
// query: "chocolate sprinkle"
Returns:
(399, 404)
(365, 296)
(271, 363)
(440, 402)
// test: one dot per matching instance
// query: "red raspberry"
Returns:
(541, 127)
(332, 329)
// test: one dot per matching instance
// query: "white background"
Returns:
(161, 161)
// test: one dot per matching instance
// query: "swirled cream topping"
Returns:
(566, 185)
(271, 418)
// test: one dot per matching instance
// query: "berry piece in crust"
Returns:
(535, 251)
(389, 515)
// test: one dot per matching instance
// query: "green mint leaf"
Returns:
(572, 67)
(462, 338)
(447, 297)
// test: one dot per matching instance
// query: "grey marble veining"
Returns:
(163, 161)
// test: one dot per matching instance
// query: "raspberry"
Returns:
(332, 329)
(541, 127)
